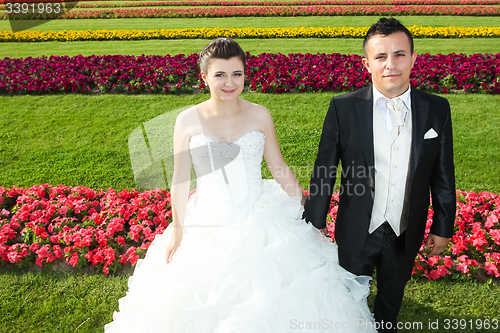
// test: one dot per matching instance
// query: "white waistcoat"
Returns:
(392, 156)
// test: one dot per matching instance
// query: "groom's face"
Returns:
(389, 60)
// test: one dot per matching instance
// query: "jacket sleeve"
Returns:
(324, 172)
(443, 184)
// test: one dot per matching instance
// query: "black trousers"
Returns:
(384, 251)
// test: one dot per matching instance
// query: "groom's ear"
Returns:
(366, 63)
(413, 58)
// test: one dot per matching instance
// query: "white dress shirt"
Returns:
(379, 101)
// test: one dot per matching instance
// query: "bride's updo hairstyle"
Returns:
(220, 48)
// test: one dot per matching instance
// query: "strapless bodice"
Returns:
(228, 174)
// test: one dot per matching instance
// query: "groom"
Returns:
(394, 143)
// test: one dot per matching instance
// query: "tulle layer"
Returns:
(261, 270)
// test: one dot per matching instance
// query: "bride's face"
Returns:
(225, 78)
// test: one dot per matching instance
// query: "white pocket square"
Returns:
(431, 134)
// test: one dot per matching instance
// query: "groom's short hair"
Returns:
(387, 26)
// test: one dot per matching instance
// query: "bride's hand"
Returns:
(173, 245)
(325, 231)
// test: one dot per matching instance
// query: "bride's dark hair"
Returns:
(220, 48)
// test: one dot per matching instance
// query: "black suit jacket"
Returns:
(348, 136)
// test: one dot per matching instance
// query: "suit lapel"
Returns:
(364, 115)
(420, 110)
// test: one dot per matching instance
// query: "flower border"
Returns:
(267, 73)
(242, 33)
(262, 11)
(110, 231)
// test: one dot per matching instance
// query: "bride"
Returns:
(237, 256)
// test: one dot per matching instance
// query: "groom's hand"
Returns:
(440, 244)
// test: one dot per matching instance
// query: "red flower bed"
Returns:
(109, 230)
(122, 74)
(268, 73)
(474, 250)
(84, 227)
(261, 11)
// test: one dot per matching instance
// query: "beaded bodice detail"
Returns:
(248, 145)
(228, 174)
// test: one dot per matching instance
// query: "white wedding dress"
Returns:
(247, 262)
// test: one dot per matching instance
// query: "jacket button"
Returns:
(367, 216)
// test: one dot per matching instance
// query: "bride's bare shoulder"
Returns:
(186, 115)
(190, 116)
(258, 111)
(188, 121)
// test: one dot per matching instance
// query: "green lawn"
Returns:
(254, 46)
(67, 303)
(82, 140)
(258, 22)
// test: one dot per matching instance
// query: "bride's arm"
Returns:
(180, 184)
(279, 169)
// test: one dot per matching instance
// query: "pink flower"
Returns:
(443, 271)
(109, 256)
(33, 247)
(55, 239)
(135, 231)
(433, 260)
(120, 240)
(14, 257)
(462, 268)
(495, 234)
(491, 221)
(458, 243)
(132, 256)
(43, 252)
(114, 226)
(433, 275)
(63, 210)
(73, 261)
(123, 259)
(491, 268)
(39, 261)
(448, 263)
(57, 251)
(90, 257)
